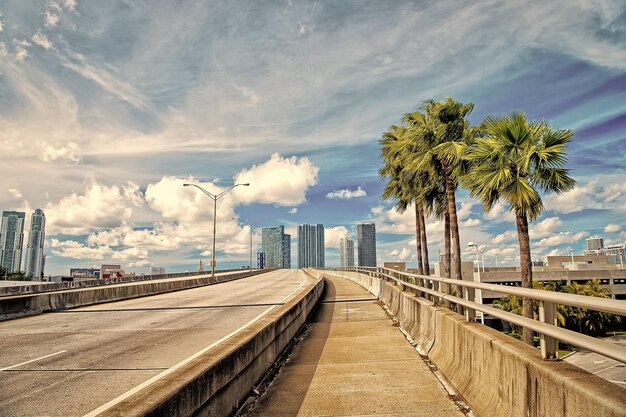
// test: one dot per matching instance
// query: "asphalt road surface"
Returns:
(73, 362)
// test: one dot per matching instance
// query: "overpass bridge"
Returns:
(379, 344)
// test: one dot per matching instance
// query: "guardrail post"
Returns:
(470, 313)
(549, 345)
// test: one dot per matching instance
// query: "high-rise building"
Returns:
(346, 251)
(287, 251)
(35, 257)
(366, 235)
(311, 246)
(273, 246)
(11, 240)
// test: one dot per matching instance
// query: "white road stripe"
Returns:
(32, 360)
(168, 371)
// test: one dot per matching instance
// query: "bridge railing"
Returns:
(546, 326)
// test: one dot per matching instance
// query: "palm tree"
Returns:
(515, 160)
(405, 188)
(442, 134)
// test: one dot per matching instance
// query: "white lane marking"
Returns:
(168, 371)
(32, 360)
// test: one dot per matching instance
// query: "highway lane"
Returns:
(70, 363)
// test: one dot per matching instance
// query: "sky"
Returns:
(108, 107)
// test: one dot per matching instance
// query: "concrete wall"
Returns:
(17, 306)
(218, 381)
(496, 374)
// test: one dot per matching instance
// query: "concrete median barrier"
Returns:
(12, 307)
(496, 374)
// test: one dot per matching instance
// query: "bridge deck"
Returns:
(354, 362)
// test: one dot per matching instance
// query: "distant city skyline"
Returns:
(104, 117)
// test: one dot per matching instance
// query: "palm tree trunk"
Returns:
(526, 270)
(418, 238)
(454, 232)
(424, 240)
(447, 254)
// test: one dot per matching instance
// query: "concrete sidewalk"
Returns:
(354, 362)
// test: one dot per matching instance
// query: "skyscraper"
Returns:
(11, 240)
(286, 251)
(311, 246)
(34, 251)
(346, 251)
(276, 246)
(366, 235)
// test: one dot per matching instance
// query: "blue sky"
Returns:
(106, 108)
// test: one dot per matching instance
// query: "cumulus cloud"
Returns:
(499, 213)
(612, 228)
(465, 211)
(346, 194)
(333, 234)
(561, 238)
(281, 181)
(608, 193)
(506, 237)
(77, 250)
(293, 210)
(15, 192)
(100, 206)
(404, 254)
(544, 228)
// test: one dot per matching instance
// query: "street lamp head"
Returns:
(186, 185)
(246, 184)
(471, 244)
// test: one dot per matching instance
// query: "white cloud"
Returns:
(1, 24)
(561, 238)
(76, 250)
(346, 194)
(544, 228)
(67, 153)
(333, 234)
(293, 210)
(465, 211)
(99, 206)
(107, 81)
(281, 181)
(20, 53)
(42, 40)
(404, 254)
(499, 213)
(612, 228)
(470, 223)
(70, 4)
(608, 193)
(15, 192)
(51, 19)
(506, 237)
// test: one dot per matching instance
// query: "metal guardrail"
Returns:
(546, 326)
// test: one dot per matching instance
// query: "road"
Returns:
(72, 362)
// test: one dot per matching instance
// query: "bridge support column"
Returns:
(549, 345)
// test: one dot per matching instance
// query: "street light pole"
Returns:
(214, 197)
